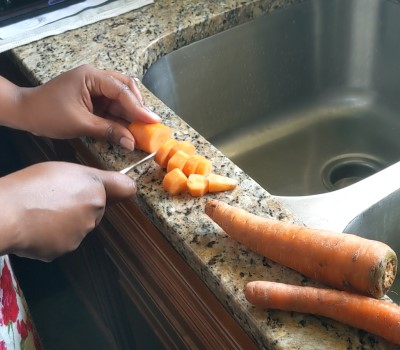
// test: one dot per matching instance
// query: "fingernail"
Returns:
(127, 143)
(155, 116)
(128, 182)
(132, 184)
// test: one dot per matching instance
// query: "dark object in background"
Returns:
(12, 10)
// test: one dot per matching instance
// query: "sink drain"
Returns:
(348, 169)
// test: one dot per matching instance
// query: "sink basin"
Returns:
(304, 99)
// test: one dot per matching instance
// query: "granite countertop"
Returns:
(132, 42)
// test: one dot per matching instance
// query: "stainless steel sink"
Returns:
(306, 101)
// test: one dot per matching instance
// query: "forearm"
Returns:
(10, 100)
(8, 216)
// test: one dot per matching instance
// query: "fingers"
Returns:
(118, 87)
(117, 186)
(128, 81)
(110, 130)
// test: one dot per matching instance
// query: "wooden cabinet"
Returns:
(126, 265)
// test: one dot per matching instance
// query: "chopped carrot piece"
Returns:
(161, 157)
(204, 167)
(218, 183)
(149, 136)
(175, 182)
(191, 164)
(178, 160)
(184, 146)
(197, 185)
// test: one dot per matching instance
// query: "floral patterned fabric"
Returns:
(16, 328)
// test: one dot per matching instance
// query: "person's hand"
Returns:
(85, 101)
(48, 208)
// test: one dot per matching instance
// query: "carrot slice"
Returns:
(184, 146)
(175, 182)
(197, 185)
(161, 157)
(379, 317)
(219, 183)
(204, 167)
(191, 164)
(149, 136)
(178, 160)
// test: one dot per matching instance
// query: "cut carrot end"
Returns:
(149, 137)
(175, 182)
(219, 183)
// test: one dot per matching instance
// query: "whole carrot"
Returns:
(379, 317)
(343, 261)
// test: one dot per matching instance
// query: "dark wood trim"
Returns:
(178, 305)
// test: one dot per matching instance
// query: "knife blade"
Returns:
(130, 167)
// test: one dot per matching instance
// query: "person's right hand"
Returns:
(48, 208)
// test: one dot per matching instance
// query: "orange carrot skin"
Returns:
(343, 261)
(149, 136)
(379, 317)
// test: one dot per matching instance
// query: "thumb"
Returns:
(117, 186)
(110, 130)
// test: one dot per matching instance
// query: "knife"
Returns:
(130, 167)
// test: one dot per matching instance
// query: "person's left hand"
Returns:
(85, 101)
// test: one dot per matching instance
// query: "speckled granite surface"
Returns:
(132, 42)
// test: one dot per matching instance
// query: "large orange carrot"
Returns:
(149, 136)
(380, 317)
(343, 261)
